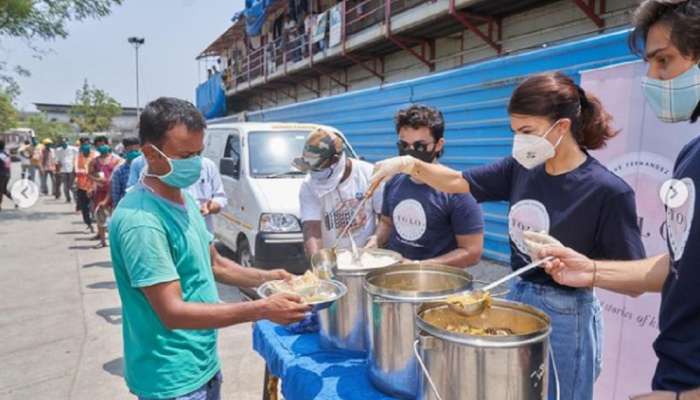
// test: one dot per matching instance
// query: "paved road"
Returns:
(60, 315)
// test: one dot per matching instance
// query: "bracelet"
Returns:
(595, 273)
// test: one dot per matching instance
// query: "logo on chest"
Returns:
(679, 199)
(410, 220)
(526, 215)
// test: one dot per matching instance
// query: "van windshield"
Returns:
(272, 153)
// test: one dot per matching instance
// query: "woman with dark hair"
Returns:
(554, 188)
(667, 35)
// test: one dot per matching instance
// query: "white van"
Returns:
(261, 222)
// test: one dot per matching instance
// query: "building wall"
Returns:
(473, 99)
(526, 30)
(125, 124)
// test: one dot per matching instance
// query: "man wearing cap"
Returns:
(334, 186)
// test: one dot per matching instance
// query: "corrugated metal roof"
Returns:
(473, 99)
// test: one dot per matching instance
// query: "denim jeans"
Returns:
(209, 391)
(576, 339)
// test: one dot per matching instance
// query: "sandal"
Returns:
(101, 245)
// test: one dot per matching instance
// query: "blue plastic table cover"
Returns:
(310, 372)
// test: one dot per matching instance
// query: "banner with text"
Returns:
(642, 154)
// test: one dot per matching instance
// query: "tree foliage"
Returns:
(94, 109)
(45, 129)
(8, 114)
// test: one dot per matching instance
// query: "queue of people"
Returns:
(564, 204)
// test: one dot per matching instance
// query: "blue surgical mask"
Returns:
(131, 155)
(674, 100)
(183, 172)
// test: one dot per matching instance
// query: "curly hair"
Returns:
(420, 116)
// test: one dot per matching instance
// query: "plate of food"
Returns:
(319, 293)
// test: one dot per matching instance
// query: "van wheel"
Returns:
(245, 257)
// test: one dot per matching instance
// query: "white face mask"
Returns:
(324, 182)
(533, 150)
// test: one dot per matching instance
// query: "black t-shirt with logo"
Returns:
(589, 209)
(426, 220)
(678, 344)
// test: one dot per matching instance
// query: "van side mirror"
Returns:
(230, 167)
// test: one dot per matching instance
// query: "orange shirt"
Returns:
(81, 172)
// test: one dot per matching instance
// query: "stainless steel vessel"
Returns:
(342, 325)
(393, 296)
(513, 366)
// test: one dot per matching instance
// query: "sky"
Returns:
(176, 31)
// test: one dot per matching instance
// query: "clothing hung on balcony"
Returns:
(298, 10)
(255, 13)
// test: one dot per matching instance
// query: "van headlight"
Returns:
(279, 223)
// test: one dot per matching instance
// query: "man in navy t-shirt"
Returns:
(418, 221)
(665, 34)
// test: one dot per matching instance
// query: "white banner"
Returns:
(319, 27)
(335, 26)
(643, 155)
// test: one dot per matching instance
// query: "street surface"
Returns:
(60, 314)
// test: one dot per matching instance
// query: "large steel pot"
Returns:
(342, 325)
(393, 296)
(461, 366)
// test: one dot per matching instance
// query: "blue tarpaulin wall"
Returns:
(255, 12)
(474, 100)
(211, 97)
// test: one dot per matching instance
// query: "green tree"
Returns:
(45, 129)
(94, 109)
(8, 114)
(43, 20)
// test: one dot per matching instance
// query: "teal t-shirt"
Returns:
(154, 240)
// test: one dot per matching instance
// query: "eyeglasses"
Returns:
(417, 146)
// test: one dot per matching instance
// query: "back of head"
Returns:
(130, 141)
(2, 145)
(556, 96)
(162, 114)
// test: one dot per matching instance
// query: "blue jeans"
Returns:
(576, 339)
(209, 391)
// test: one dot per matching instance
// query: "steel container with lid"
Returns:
(342, 325)
(393, 296)
(500, 354)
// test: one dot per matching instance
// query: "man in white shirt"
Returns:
(209, 192)
(330, 193)
(65, 172)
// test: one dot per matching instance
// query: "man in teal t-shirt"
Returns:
(165, 267)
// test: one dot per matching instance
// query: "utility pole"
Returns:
(137, 42)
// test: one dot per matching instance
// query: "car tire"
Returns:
(245, 257)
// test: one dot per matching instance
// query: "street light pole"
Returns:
(137, 42)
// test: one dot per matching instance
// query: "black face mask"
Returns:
(417, 150)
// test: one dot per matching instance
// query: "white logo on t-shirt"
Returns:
(526, 215)
(410, 220)
(680, 219)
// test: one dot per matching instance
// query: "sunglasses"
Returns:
(417, 146)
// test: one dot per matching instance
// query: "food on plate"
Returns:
(308, 286)
(367, 260)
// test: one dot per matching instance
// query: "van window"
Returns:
(233, 151)
(215, 143)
